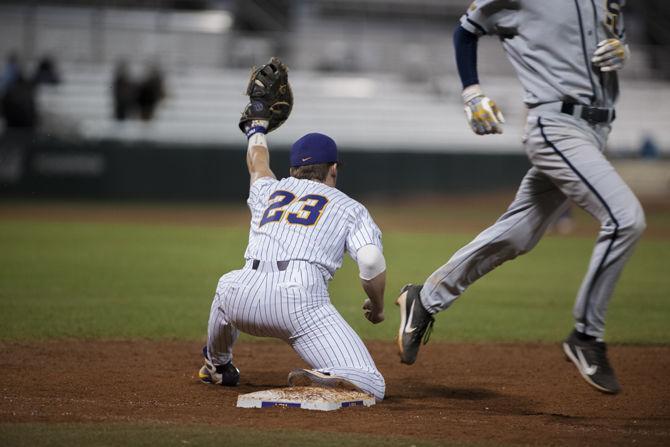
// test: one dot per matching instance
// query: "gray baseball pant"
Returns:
(568, 164)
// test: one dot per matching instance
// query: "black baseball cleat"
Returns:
(224, 375)
(590, 358)
(415, 323)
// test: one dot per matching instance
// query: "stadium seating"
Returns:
(367, 111)
(387, 84)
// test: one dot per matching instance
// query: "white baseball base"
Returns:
(305, 397)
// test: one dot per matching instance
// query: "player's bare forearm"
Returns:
(374, 305)
(258, 158)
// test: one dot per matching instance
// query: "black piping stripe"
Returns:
(609, 211)
(595, 22)
(475, 24)
(586, 57)
(601, 75)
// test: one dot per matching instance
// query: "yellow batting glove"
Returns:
(482, 113)
(611, 55)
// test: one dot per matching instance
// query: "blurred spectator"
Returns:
(18, 104)
(19, 109)
(46, 72)
(52, 121)
(150, 92)
(124, 92)
(649, 149)
(10, 71)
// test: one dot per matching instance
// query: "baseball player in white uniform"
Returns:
(566, 54)
(301, 227)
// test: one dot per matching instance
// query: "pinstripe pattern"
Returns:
(294, 305)
(344, 224)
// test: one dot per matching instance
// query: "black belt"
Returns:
(281, 265)
(593, 115)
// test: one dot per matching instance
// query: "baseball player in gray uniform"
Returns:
(566, 54)
(301, 227)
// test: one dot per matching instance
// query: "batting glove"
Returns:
(611, 55)
(482, 113)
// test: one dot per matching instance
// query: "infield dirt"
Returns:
(498, 393)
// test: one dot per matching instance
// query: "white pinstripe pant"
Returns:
(294, 306)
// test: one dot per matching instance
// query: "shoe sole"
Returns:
(402, 302)
(570, 357)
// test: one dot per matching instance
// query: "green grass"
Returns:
(98, 280)
(92, 435)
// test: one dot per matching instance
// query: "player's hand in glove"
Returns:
(372, 313)
(270, 96)
(611, 55)
(482, 113)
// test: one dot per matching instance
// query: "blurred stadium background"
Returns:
(377, 75)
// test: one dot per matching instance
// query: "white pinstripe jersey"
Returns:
(296, 219)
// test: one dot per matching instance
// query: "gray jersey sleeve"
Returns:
(490, 17)
(363, 231)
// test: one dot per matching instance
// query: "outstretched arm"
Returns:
(270, 104)
(482, 113)
(258, 155)
(372, 268)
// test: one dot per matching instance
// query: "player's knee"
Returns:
(522, 249)
(380, 385)
(515, 246)
(633, 223)
(639, 225)
(373, 384)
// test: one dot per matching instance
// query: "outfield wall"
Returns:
(113, 170)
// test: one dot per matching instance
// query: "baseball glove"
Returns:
(270, 95)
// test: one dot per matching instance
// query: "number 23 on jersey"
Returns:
(307, 215)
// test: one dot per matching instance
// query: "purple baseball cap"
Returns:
(313, 149)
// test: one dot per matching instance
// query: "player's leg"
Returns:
(221, 336)
(333, 349)
(576, 164)
(536, 205)
(305, 318)
(571, 154)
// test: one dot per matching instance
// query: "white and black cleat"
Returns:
(224, 375)
(590, 358)
(416, 323)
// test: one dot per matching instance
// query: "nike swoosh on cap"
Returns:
(308, 158)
